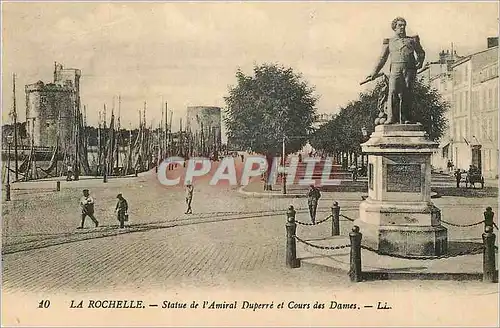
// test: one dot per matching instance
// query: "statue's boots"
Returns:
(390, 119)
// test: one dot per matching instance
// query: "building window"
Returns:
(495, 98)
(484, 125)
(495, 130)
(490, 98)
(459, 102)
(489, 159)
(478, 128)
(490, 129)
(474, 100)
(486, 159)
(484, 99)
(466, 128)
(466, 105)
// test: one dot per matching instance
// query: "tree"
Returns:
(344, 131)
(263, 108)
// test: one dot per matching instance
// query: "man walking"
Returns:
(458, 177)
(313, 195)
(69, 173)
(87, 205)
(189, 197)
(121, 210)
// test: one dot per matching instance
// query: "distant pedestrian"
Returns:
(300, 158)
(121, 210)
(87, 205)
(488, 218)
(242, 157)
(313, 195)
(450, 166)
(69, 173)
(189, 197)
(354, 172)
(458, 177)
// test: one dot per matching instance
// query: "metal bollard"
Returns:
(335, 219)
(291, 247)
(58, 186)
(136, 173)
(489, 268)
(355, 273)
(488, 217)
(7, 192)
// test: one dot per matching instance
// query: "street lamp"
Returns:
(284, 174)
(7, 186)
(364, 132)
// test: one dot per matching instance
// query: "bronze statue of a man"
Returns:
(403, 71)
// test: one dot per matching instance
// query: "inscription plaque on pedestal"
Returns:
(404, 178)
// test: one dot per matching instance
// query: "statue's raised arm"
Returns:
(401, 49)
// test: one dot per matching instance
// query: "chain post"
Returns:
(291, 246)
(335, 219)
(489, 268)
(355, 273)
(488, 217)
(7, 192)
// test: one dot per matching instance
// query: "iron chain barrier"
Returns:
(348, 218)
(462, 225)
(315, 223)
(473, 251)
(321, 247)
(488, 248)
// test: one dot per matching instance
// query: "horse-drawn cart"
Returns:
(474, 176)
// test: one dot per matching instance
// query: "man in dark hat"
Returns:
(87, 205)
(458, 177)
(313, 195)
(122, 210)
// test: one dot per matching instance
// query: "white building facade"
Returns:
(470, 85)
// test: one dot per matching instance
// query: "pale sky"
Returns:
(187, 53)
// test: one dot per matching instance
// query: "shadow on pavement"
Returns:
(372, 276)
(455, 248)
(467, 192)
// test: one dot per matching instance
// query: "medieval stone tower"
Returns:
(52, 108)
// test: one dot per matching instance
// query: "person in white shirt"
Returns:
(87, 205)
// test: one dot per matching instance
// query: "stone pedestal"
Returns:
(398, 216)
